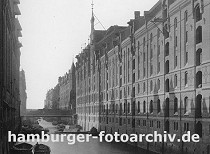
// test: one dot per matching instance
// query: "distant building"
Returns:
(56, 97)
(10, 31)
(23, 94)
(67, 91)
(49, 99)
(63, 95)
(52, 98)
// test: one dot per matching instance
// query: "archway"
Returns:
(199, 79)
(167, 107)
(198, 112)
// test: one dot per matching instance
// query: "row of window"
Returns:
(198, 17)
(167, 68)
(167, 83)
(114, 108)
(151, 122)
(198, 126)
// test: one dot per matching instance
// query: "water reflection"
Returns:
(91, 147)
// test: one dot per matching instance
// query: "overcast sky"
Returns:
(54, 32)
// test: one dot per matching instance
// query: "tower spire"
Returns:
(92, 24)
(92, 18)
(92, 6)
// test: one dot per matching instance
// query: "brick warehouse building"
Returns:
(153, 75)
(10, 30)
(48, 100)
(62, 96)
(67, 90)
(87, 76)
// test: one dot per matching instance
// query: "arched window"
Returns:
(167, 85)
(175, 80)
(133, 91)
(151, 85)
(167, 49)
(199, 35)
(158, 84)
(144, 42)
(175, 23)
(175, 40)
(198, 106)
(138, 45)
(158, 33)
(124, 107)
(167, 67)
(151, 69)
(144, 107)
(116, 110)
(167, 107)
(144, 56)
(113, 108)
(144, 87)
(186, 108)
(186, 36)
(133, 108)
(185, 16)
(186, 57)
(107, 109)
(133, 64)
(198, 57)
(104, 108)
(158, 106)
(198, 15)
(120, 108)
(175, 105)
(151, 107)
(199, 79)
(138, 107)
(185, 78)
(129, 108)
(151, 37)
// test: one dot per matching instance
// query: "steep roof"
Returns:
(106, 43)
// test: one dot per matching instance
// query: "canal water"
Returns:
(91, 147)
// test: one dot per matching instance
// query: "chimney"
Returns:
(137, 14)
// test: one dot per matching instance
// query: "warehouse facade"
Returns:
(154, 76)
